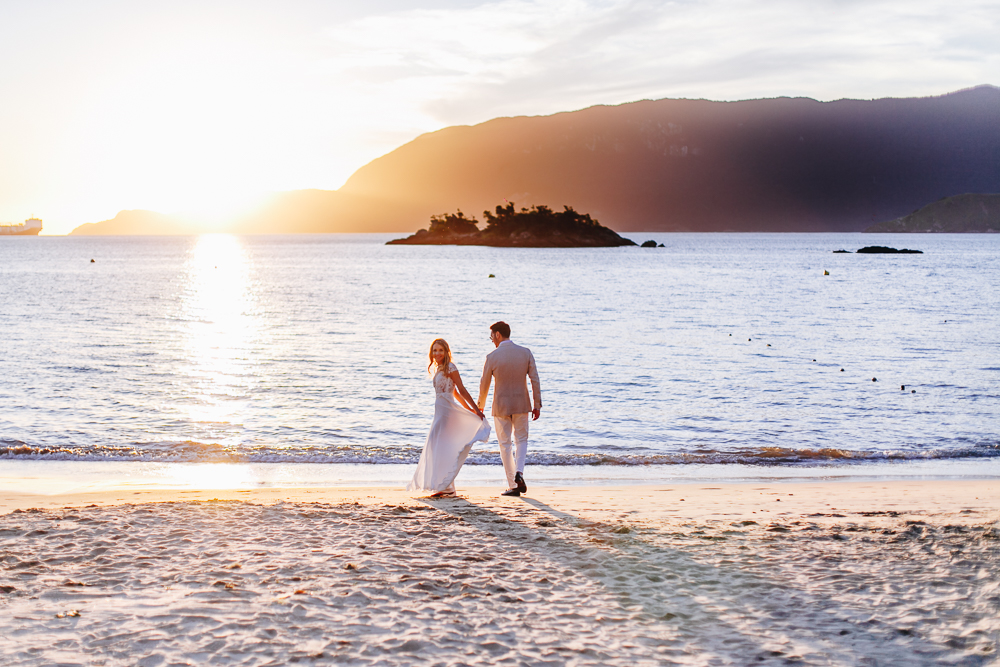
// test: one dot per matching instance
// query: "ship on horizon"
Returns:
(29, 227)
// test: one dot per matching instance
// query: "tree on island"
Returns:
(535, 227)
(539, 220)
(453, 224)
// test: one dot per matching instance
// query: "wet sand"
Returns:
(819, 573)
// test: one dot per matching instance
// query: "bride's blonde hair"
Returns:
(447, 354)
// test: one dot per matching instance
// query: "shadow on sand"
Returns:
(689, 610)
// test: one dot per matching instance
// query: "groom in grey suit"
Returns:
(509, 365)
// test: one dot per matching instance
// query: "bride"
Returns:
(458, 422)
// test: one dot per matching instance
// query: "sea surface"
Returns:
(716, 349)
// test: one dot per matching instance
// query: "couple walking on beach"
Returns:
(459, 422)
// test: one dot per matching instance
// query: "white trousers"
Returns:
(512, 455)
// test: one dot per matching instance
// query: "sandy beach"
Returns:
(818, 573)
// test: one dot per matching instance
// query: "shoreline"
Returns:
(909, 496)
(45, 478)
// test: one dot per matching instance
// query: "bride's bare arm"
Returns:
(463, 396)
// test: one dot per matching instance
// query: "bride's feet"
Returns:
(444, 494)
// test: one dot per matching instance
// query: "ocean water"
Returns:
(717, 349)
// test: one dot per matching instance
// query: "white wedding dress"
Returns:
(452, 434)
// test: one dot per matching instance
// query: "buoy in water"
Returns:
(902, 387)
(874, 379)
(913, 391)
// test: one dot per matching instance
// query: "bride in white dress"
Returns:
(458, 422)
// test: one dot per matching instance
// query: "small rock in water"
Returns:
(826, 273)
(885, 250)
(91, 261)
(874, 379)
(769, 345)
(902, 387)
(913, 391)
(841, 370)
(648, 244)
(492, 276)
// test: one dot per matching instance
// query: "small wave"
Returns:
(198, 452)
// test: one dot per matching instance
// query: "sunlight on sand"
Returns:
(813, 574)
(208, 476)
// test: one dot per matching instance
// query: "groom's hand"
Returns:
(535, 414)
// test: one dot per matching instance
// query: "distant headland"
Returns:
(137, 223)
(961, 214)
(535, 227)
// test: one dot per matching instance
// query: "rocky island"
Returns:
(535, 227)
(881, 250)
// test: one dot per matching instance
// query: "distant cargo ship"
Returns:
(29, 227)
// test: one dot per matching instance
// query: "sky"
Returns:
(203, 108)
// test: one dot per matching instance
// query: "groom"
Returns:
(509, 364)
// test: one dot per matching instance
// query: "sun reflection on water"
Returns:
(222, 314)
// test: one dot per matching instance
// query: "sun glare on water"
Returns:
(222, 332)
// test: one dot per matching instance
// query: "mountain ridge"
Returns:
(770, 164)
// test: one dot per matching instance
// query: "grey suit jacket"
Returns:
(510, 364)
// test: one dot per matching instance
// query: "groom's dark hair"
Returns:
(501, 328)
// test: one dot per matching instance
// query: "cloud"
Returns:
(522, 56)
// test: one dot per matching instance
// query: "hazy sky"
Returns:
(203, 106)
